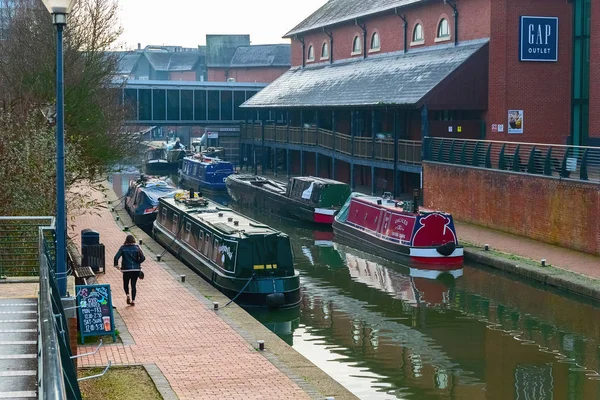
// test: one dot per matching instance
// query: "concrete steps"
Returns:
(18, 348)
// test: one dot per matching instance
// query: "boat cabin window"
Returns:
(207, 244)
(200, 240)
(163, 215)
(188, 231)
(216, 255)
(194, 169)
(175, 221)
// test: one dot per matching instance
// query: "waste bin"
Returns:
(89, 237)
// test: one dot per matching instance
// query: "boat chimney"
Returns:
(378, 202)
(191, 193)
(220, 214)
(236, 222)
(229, 219)
(416, 200)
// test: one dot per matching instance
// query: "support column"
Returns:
(396, 180)
(275, 161)
(352, 129)
(301, 143)
(333, 127)
(287, 150)
(252, 148)
(317, 144)
(262, 146)
(424, 128)
(373, 185)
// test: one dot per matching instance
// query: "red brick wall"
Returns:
(560, 212)
(473, 24)
(259, 74)
(541, 89)
(595, 73)
(183, 76)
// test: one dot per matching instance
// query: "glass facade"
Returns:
(581, 72)
(185, 105)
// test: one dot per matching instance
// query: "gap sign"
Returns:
(538, 39)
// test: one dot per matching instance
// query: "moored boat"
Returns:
(241, 257)
(204, 173)
(398, 231)
(156, 162)
(308, 198)
(141, 200)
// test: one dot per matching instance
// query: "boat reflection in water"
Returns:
(281, 322)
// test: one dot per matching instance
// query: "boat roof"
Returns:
(218, 217)
(204, 160)
(320, 180)
(387, 203)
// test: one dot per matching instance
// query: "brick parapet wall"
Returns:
(560, 212)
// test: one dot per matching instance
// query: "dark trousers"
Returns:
(130, 277)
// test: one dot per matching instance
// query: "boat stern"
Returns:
(434, 242)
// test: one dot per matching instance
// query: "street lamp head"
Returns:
(59, 6)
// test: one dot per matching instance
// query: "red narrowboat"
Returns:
(399, 231)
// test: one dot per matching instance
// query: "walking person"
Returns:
(131, 266)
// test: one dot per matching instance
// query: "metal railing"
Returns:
(573, 162)
(409, 151)
(57, 376)
(19, 250)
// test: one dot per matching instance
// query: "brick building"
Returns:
(370, 79)
(225, 58)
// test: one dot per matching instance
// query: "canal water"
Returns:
(386, 331)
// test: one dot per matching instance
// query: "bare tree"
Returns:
(94, 114)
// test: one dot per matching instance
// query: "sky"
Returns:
(186, 22)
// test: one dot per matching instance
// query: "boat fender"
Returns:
(275, 300)
(446, 249)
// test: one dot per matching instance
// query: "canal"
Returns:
(386, 331)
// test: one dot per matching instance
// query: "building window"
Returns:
(375, 42)
(325, 51)
(418, 34)
(356, 47)
(443, 29)
(311, 53)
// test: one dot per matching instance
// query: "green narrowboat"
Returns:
(241, 257)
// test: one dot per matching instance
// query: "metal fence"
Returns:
(57, 376)
(573, 162)
(19, 245)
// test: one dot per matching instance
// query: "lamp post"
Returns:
(59, 10)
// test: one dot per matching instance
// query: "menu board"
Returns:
(94, 305)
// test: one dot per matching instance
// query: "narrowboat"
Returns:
(141, 200)
(399, 231)
(204, 173)
(308, 198)
(244, 259)
(156, 162)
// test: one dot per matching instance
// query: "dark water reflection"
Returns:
(385, 331)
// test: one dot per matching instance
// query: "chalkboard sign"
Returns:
(94, 305)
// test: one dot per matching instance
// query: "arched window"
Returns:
(356, 48)
(325, 51)
(418, 33)
(443, 29)
(375, 42)
(311, 53)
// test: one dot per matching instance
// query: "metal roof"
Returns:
(127, 62)
(268, 55)
(337, 11)
(178, 61)
(392, 79)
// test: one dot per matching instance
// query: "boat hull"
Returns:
(274, 203)
(421, 257)
(188, 182)
(278, 292)
(158, 167)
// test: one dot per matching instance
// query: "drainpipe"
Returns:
(301, 40)
(363, 27)
(452, 4)
(404, 27)
(330, 36)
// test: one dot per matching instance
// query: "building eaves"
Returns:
(338, 11)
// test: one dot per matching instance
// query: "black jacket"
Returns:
(132, 257)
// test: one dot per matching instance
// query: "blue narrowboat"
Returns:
(204, 174)
(141, 200)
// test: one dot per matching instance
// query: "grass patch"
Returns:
(131, 383)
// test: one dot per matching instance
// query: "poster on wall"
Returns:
(515, 121)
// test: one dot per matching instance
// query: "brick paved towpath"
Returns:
(559, 257)
(198, 353)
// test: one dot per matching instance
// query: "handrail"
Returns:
(51, 380)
